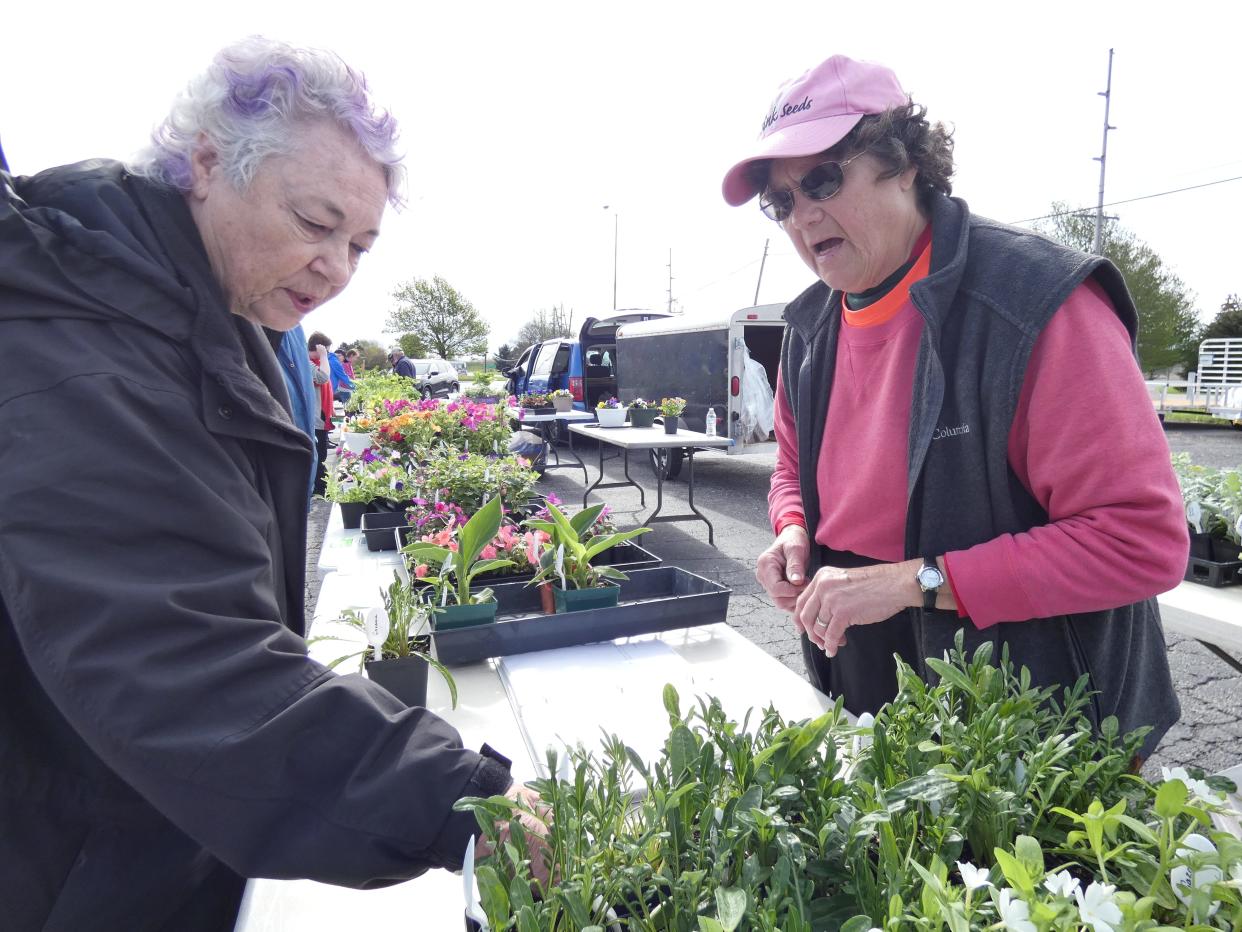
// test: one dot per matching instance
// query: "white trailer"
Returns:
(1219, 377)
(727, 362)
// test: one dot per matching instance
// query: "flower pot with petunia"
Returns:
(562, 400)
(610, 413)
(448, 571)
(566, 560)
(671, 409)
(643, 413)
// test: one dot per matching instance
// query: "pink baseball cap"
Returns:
(813, 113)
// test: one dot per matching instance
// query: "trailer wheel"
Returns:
(666, 463)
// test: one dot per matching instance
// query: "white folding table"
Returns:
(628, 438)
(545, 423)
(1213, 617)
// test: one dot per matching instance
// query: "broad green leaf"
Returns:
(708, 924)
(730, 907)
(1015, 873)
(1030, 854)
(857, 924)
(1170, 799)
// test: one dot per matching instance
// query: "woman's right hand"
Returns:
(781, 569)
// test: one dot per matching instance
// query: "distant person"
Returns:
(342, 384)
(351, 360)
(164, 734)
(317, 348)
(402, 364)
(304, 406)
(935, 469)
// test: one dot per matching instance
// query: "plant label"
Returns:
(1194, 514)
(376, 624)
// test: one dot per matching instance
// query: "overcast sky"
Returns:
(522, 121)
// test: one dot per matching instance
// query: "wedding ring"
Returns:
(820, 623)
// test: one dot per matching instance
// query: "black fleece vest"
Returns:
(991, 291)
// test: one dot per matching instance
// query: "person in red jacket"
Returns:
(938, 468)
(317, 346)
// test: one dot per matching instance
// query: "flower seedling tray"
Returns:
(379, 529)
(1212, 573)
(661, 598)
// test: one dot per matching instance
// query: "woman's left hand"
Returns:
(837, 599)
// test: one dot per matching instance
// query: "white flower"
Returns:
(1185, 882)
(1096, 907)
(1061, 883)
(973, 877)
(1014, 914)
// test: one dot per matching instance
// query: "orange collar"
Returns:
(885, 309)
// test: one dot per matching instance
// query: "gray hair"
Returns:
(250, 102)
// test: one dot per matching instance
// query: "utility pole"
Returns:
(1107, 94)
(762, 263)
(670, 279)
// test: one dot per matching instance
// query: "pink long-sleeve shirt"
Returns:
(1085, 442)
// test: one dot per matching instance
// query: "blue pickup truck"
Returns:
(587, 366)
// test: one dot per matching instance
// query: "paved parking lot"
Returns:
(732, 492)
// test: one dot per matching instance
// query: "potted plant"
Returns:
(535, 403)
(610, 413)
(562, 400)
(975, 802)
(671, 408)
(567, 554)
(448, 571)
(400, 650)
(1213, 502)
(643, 413)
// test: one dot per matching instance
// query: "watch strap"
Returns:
(929, 594)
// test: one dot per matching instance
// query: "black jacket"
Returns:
(162, 731)
(991, 291)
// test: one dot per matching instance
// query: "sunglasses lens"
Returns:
(776, 205)
(823, 181)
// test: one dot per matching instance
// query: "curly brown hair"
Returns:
(900, 137)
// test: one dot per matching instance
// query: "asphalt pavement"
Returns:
(731, 491)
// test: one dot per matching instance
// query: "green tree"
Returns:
(438, 315)
(372, 354)
(1168, 323)
(544, 325)
(412, 345)
(505, 356)
(1227, 323)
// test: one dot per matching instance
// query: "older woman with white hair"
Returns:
(938, 467)
(163, 733)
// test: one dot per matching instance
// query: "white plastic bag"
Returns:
(758, 402)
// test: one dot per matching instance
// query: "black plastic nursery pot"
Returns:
(352, 512)
(1213, 561)
(656, 599)
(643, 417)
(404, 677)
(378, 529)
(670, 424)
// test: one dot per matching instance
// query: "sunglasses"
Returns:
(820, 183)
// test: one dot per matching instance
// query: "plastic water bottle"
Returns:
(711, 422)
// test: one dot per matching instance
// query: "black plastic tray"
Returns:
(657, 599)
(1213, 573)
(379, 529)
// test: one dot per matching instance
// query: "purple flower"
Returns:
(553, 499)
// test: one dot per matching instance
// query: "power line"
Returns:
(1145, 197)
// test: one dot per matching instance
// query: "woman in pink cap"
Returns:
(938, 468)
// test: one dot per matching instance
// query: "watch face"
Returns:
(930, 577)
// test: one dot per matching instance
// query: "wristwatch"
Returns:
(930, 579)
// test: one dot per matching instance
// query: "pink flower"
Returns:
(489, 553)
(421, 570)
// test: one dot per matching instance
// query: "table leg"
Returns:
(1222, 655)
(625, 467)
(587, 494)
(695, 515)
